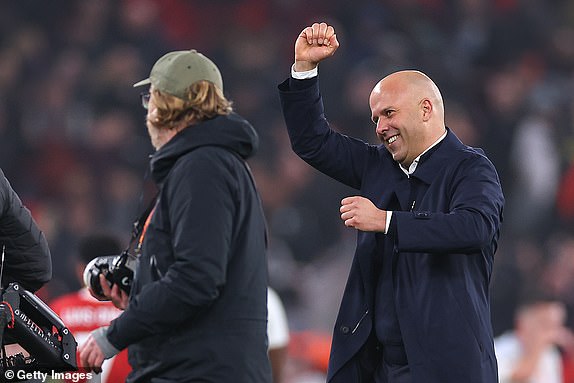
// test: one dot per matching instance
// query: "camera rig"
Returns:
(26, 321)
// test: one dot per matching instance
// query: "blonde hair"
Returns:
(203, 101)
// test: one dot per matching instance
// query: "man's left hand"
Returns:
(91, 356)
(362, 214)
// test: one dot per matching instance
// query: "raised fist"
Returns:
(313, 45)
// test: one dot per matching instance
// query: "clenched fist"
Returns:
(314, 44)
(362, 214)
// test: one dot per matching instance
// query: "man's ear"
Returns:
(427, 109)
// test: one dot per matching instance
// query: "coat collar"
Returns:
(431, 163)
(231, 132)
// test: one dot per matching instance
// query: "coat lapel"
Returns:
(437, 158)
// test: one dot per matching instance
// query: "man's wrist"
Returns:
(304, 66)
(100, 336)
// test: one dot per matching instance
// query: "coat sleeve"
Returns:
(473, 219)
(27, 257)
(201, 212)
(336, 155)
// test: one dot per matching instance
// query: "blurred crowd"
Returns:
(74, 145)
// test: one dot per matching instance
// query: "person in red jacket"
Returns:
(82, 313)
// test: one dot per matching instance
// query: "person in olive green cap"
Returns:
(197, 310)
(174, 72)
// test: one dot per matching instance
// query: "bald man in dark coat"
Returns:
(428, 213)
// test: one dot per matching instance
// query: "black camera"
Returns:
(117, 269)
(33, 338)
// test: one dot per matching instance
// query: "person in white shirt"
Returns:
(529, 353)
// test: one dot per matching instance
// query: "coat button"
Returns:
(345, 330)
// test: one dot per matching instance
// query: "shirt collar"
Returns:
(415, 162)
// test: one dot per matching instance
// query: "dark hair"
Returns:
(96, 245)
(534, 295)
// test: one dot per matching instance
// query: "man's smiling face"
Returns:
(397, 115)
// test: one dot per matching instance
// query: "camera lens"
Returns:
(97, 266)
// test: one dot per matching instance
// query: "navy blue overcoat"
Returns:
(442, 249)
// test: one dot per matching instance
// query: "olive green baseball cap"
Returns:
(176, 71)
